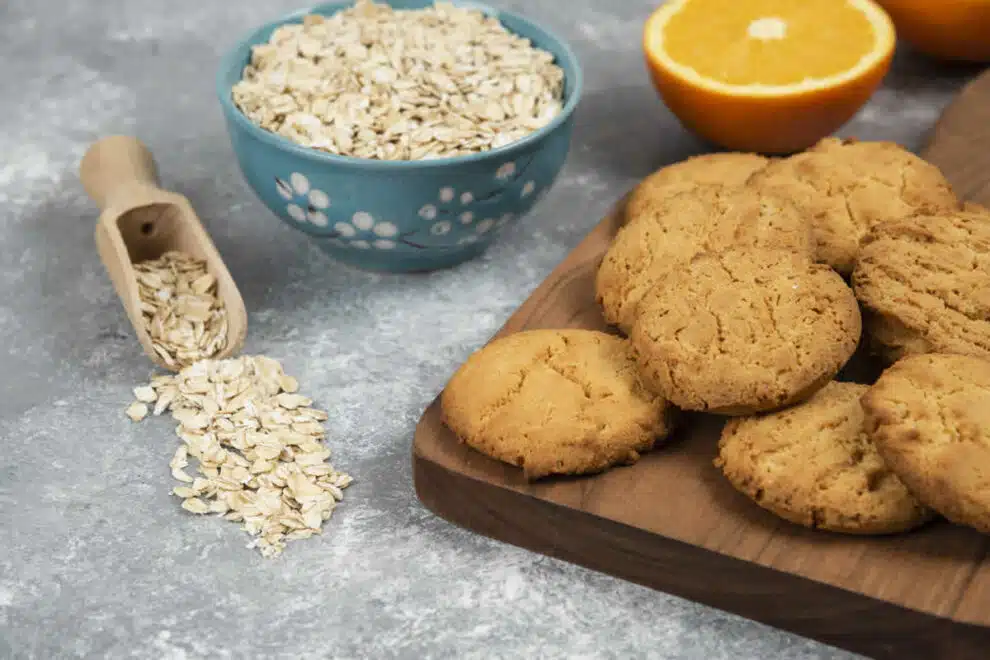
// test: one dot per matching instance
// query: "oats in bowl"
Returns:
(381, 83)
(402, 137)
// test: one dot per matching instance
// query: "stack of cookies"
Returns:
(743, 286)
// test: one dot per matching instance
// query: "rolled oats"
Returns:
(375, 82)
(261, 460)
(145, 394)
(137, 411)
(182, 314)
(195, 505)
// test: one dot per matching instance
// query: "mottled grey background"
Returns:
(97, 560)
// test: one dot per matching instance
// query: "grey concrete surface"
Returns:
(98, 561)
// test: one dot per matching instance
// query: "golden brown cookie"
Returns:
(889, 339)
(707, 218)
(845, 187)
(929, 416)
(555, 402)
(923, 281)
(745, 331)
(813, 464)
(730, 169)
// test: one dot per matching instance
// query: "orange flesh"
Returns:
(822, 38)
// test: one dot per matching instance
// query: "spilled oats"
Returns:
(258, 444)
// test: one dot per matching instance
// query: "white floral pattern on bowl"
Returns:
(363, 232)
(505, 171)
(306, 204)
(457, 214)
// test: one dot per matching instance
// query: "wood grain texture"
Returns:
(140, 221)
(672, 522)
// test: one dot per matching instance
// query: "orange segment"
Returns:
(767, 75)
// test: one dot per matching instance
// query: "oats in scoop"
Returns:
(180, 309)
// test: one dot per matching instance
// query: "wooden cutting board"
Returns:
(672, 522)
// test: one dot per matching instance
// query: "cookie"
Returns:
(730, 169)
(707, 218)
(923, 282)
(814, 464)
(929, 416)
(555, 402)
(745, 331)
(889, 339)
(845, 187)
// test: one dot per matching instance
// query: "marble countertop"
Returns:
(98, 561)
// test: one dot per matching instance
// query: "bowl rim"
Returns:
(232, 58)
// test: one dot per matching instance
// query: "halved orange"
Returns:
(769, 76)
(949, 29)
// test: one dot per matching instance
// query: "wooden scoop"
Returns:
(140, 221)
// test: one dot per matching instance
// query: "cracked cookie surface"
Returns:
(923, 281)
(555, 402)
(745, 331)
(929, 416)
(845, 187)
(814, 465)
(707, 218)
(730, 169)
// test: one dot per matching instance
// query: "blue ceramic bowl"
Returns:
(400, 216)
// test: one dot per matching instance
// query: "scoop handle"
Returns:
(116, 167)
